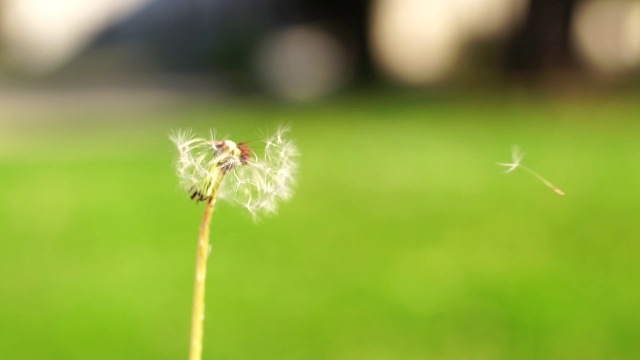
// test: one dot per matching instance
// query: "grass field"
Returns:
(404, 240)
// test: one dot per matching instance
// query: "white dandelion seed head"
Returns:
(257, 182)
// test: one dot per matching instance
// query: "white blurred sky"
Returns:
(39, 35)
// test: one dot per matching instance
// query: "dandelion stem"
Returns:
(542, 179)
(197, 318)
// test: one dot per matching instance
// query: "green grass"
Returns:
(404, 241)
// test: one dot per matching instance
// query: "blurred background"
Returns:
(404, 240)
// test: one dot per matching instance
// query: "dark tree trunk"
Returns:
(351, 18)
(543, 43)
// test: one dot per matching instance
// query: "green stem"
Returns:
(197, 318)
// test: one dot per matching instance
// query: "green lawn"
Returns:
(404, 240)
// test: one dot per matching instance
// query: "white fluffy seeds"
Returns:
(256, 182)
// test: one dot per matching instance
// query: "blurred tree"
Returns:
(351, 21)
(543, 43)
(220, 37)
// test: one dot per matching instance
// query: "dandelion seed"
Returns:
(516, 157)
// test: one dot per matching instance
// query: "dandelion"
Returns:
(213, 168)
(516, 157)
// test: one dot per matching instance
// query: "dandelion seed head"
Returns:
(255, 182)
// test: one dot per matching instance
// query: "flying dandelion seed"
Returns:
(218, 168)
(516, 157)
